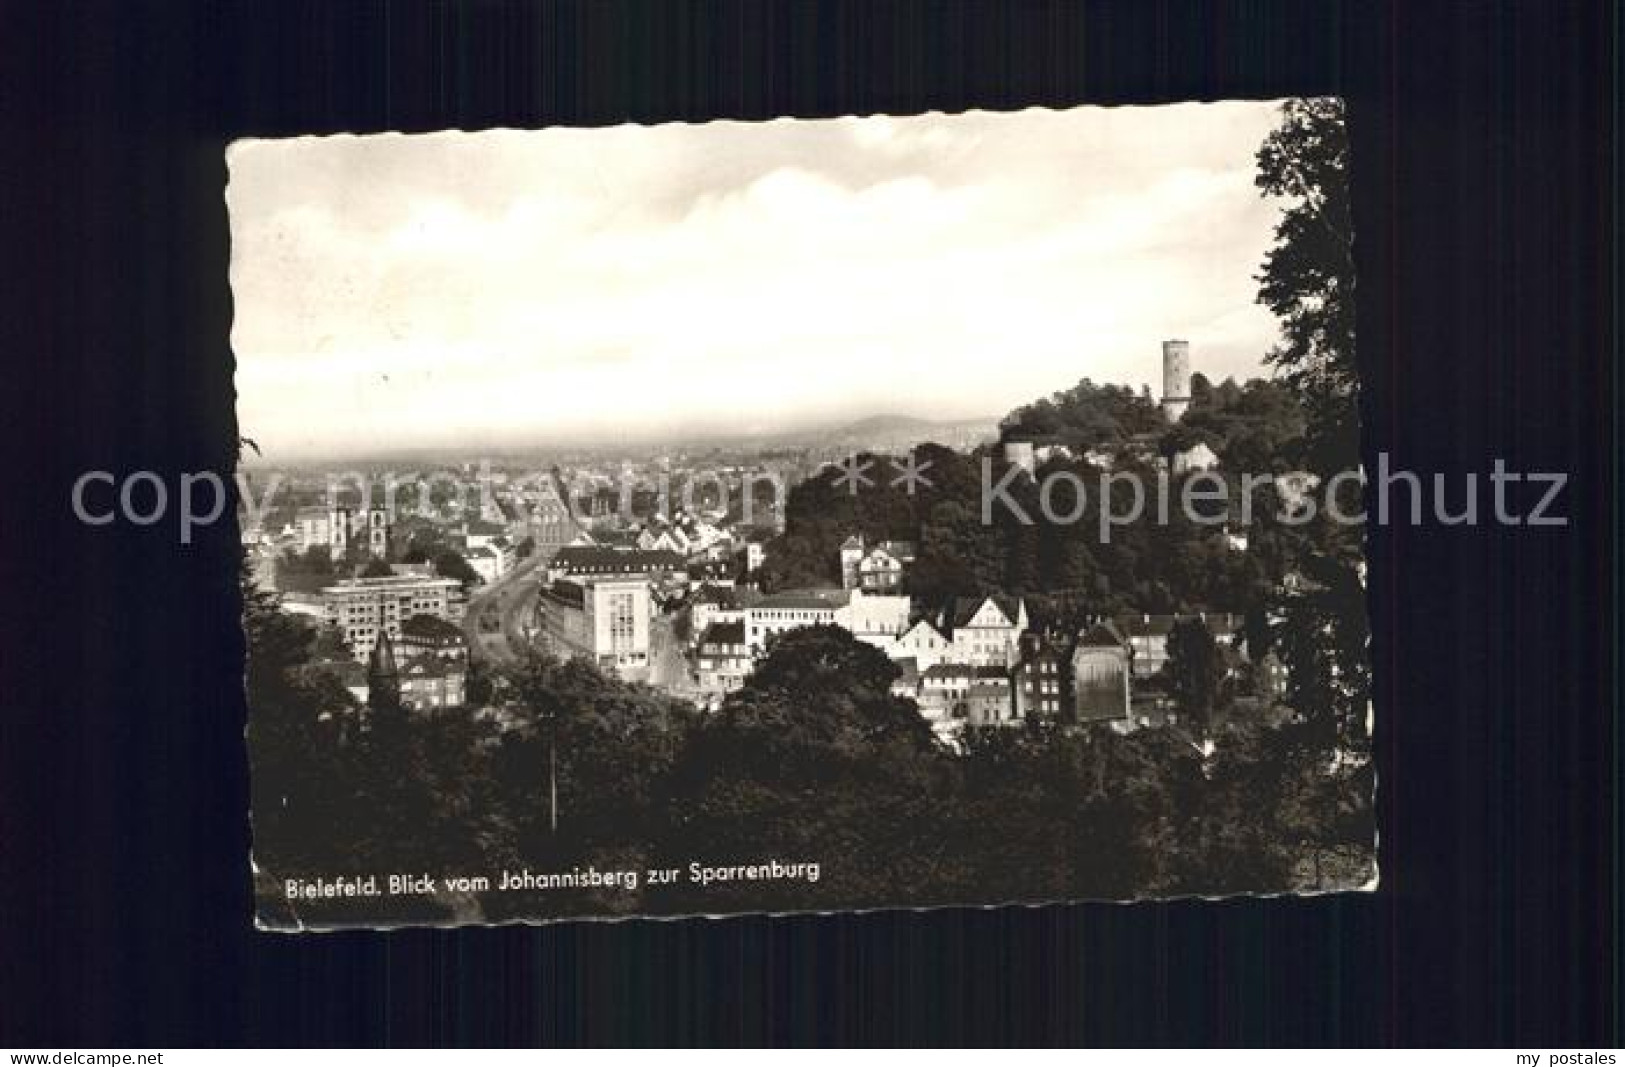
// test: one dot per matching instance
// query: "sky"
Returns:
(637, 283)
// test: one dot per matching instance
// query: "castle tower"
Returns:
(1176, 379)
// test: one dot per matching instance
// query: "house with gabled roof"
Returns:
(985, 631)
(434, 636)
(923, 643)
(430, 684)
(877, 568)
(723, 660)
(989, 698)
(875, 619)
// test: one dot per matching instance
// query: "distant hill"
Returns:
(896, 433)
(886, 424)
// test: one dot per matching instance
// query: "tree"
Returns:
(307, 571)
(448, 563)
(1195, 671)
(581, 765)
(813, 757)
(1086, 415)
(829, 661)
(1308, 282)
(1307, 279)
(1321, 634)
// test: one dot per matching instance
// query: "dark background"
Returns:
(1485, 146)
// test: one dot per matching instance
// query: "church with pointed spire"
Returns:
(383, 678)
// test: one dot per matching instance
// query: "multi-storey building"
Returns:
(612, 561)
(943, 688)
(875, 619)
(780, 613)
(492, 559)
(363, 608)
(710, 604)
(604, 620)
(985, 630)
(313, 527)
(724, 660)
(1147, 636)
(429, 684)
(1042, 678)
(988, 700)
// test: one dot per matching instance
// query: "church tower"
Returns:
(378, 533)
(1176, 379)
(339, 531)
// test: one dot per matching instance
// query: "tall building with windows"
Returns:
(604, 620)
(364, 608)
(1042, 678)
(984, 630)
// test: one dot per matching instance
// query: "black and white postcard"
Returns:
(805, 515)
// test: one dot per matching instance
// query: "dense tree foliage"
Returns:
(1195, 672)
(1307, 279)
(1058, 559)
(307, 571)
(1085, 415)
(813, 760)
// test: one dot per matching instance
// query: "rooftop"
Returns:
(723, 633)
(432, 628)
(1102, 635)
(807, 599)
(426, 665)
(1218, 623)
(615, 557)
(966, 607)
(386, 582)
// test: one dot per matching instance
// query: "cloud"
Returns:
(395, 291)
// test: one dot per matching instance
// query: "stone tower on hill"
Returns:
(1176, 379)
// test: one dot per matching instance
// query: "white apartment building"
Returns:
(362, 608)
